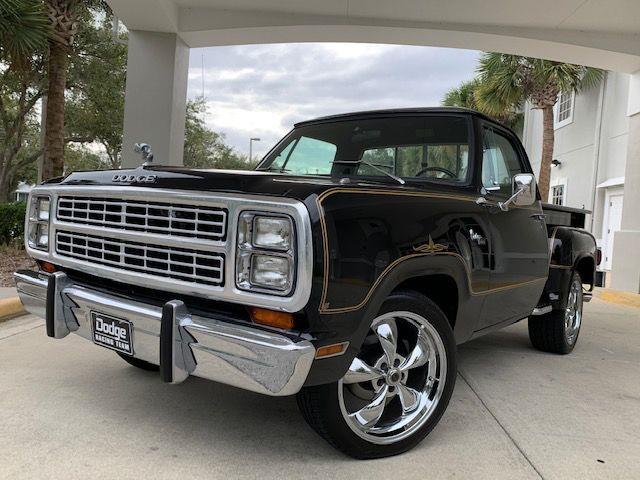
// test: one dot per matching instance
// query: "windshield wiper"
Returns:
(390, 175)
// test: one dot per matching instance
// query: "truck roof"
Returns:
(400, 112)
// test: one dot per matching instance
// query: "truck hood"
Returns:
(228, 181)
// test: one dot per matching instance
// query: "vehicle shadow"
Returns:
(200, 415)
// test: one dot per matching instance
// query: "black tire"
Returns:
(141, 364)
(320, 405)
(549, 332)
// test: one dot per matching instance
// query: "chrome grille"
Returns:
(160, 261)
(193, 221)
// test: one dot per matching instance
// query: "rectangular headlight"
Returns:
(270, 271)
(266, 256)
(38, 225)
(272, 232)
(42, 208)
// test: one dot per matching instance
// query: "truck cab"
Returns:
(344, 269)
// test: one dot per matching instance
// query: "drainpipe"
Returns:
(596, 148)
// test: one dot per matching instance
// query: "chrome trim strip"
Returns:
(238, 355)
(234, 205)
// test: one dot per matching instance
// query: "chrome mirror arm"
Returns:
(504, 206)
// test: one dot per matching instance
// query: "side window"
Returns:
(500, 161)
(408, 161)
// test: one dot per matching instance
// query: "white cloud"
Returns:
(261, 90)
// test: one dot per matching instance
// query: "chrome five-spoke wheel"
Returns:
(395, 383)
(573, 311)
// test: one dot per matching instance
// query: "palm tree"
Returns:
(507, 81)
(465, 96)
(63, 17)
(24, 29)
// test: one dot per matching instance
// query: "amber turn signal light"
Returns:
(332, 350)
(271, 317)
(48, 267)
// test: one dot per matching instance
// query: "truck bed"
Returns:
(558, 215)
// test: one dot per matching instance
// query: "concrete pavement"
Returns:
(69, 409)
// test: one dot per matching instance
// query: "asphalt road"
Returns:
(69, 409)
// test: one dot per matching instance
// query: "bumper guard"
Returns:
(180, 342)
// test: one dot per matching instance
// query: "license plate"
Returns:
(111, 332)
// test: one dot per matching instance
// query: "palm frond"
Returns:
(24, 29)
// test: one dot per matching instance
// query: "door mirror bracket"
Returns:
(524, 192)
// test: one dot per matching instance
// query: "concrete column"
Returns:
(156, 96)
(626, 242)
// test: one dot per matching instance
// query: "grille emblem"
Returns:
(135, 178)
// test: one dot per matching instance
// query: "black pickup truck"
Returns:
(344, 269)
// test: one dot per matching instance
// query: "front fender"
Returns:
(353, 325)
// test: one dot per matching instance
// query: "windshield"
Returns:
(420, 147)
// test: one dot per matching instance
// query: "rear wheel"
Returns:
(558, 330)
(396, 388)
(136, 362)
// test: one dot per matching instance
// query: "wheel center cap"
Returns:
(393, 377)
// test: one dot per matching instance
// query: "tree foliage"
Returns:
(20, 91)
(95, 92)
(465, 95)
(204, 148)
(24, 29)
(507, 81)
(11, 222)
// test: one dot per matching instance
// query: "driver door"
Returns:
(518, 236)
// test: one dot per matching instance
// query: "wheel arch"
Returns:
(441, 288)
(442, 278)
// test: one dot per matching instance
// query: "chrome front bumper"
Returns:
(180, 342)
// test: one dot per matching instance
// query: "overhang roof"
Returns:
(600, 33)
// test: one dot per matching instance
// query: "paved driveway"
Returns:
(69, 409)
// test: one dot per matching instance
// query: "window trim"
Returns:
(558, 182)
(556, 111)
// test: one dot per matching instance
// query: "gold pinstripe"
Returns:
(324, 307)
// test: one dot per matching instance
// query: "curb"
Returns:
(11, 307)
(619, 297)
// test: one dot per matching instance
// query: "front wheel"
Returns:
(397, 387)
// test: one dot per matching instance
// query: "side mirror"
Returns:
(525, 183)
(524, 191)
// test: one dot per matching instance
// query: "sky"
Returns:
(262, 90)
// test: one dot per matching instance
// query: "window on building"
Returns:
(564, 109)
(557, 194)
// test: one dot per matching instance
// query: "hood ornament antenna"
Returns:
(145, 151)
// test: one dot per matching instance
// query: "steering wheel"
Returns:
(436, 169)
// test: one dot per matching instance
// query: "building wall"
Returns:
(592, 148)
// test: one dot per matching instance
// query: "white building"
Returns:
(22, 192)
(590, 155)
(595, 33)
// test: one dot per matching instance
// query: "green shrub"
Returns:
(12, 222)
